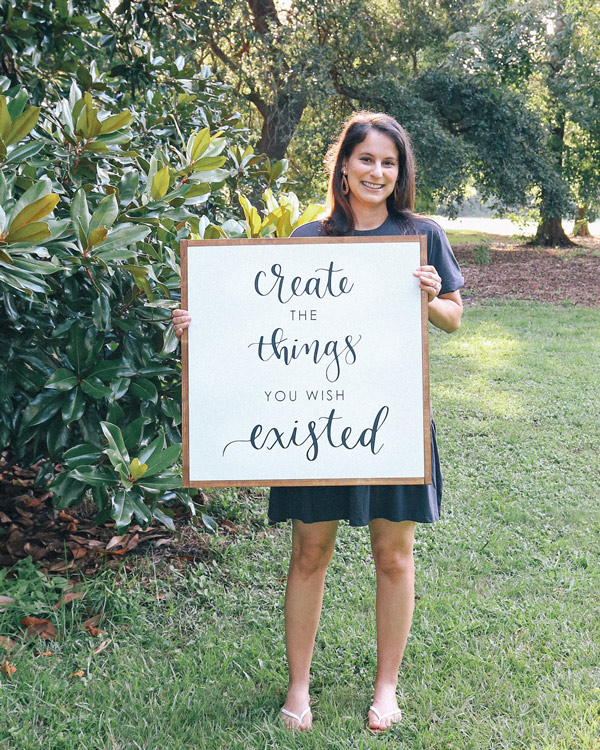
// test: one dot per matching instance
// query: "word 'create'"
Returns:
(325, 282)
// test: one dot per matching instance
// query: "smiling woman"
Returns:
(371, 193)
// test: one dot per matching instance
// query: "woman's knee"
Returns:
(390, 561)
(311, 553)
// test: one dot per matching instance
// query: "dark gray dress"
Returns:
(361, 504)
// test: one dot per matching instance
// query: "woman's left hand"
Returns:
(430, 281)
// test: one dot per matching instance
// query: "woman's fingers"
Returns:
(181, 321)
(430, 280)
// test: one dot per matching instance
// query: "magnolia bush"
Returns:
(94, 201)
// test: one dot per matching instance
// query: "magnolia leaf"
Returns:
(5, 121)
(197, 144)
(22, 125)
(34, 211)
(36, 232)
(115, 122)
(62, 380)
(310, 212)
(106, 213)
(136, 469)
(160, 184)
(97, 236)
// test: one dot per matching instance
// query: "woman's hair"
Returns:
(400, 204)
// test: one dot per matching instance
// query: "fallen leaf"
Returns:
(4, 518)
(102, 646)
(115, 541)
(69, 597)
(5, 600)
(230, 526)
(66, 517)
(92, 622)
(34, 502)
(7, 643)
(38, 626)
(59, 567)
(8, 668)
(79, 552)
(43, 653)
(161, 542)
(133, 542)
(78, 673)
(23, 513)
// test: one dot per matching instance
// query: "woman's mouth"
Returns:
(372, 185)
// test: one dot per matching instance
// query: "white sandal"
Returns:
(381, 717)
(292, 715)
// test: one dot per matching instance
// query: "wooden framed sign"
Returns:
(306, 362)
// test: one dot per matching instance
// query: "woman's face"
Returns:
(372, 170)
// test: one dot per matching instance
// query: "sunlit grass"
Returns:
(504, 652)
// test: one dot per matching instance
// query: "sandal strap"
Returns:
(295, 716)
(381, 717)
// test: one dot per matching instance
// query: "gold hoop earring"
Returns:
(345, 186)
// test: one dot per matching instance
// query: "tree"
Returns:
(548, 50)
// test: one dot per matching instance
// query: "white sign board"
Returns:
(306, 362)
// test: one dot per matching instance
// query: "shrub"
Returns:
(95, 199)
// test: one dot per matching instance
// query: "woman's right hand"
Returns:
(181, 321)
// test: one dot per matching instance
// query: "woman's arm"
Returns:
(445, 310)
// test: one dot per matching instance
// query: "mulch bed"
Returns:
(546, 274)
(70, 542)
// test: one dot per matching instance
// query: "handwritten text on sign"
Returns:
(305, 362)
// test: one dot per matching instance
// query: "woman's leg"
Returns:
(392, 545)
(312, 548)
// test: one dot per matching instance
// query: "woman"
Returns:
(371, 192)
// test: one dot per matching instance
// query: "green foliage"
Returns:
(95, 199)
(482, 253)
(32, 592)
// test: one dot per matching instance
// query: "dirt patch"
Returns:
(556, 275)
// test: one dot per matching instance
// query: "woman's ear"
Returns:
(344, 165)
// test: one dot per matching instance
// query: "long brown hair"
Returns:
(400, 204)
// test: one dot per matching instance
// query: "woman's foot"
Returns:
(296, 712)
(379, 722)
(299, 721)
(384, 711)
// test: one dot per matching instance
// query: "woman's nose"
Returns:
(376, 168)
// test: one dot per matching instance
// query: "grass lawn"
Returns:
(505, 646)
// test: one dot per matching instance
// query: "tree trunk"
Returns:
(551, 233)
(580, 225)
(280, 121)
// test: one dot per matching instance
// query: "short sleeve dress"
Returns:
(361, 504)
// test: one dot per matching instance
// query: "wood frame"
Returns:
(425, 478)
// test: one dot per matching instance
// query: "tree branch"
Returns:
(264, 11)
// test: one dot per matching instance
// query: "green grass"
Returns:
(505, 646)
(463, 236)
